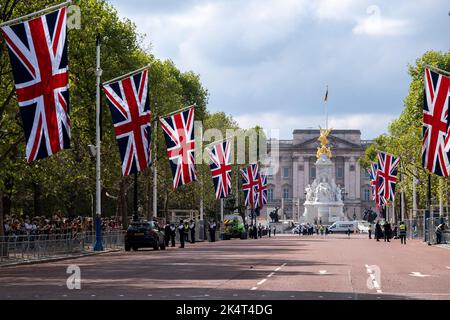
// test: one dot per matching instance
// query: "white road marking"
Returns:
(120, 295)
(320, 297)
(277, 269)
(64, 295)
(418, 274)
(271, 274)
(375, 283)
(92, 295)
(206, 295)
(149, 295)
(235, 295)
(261, 282)
(448, 267)
(254, 288)
(177, 295)
(322, 271)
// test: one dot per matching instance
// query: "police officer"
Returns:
(192, 228)
(370, 231)
(212, 231)
(167, 234)
(181, 232)
(402, 229)
(173, 233)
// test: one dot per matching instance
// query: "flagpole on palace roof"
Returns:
(20, 19)
(98, 224)
(326, 108)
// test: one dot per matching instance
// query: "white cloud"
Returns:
(376, 25)
(371, 125)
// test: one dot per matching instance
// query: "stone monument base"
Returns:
(327, 213)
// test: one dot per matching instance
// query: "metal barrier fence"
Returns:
(22, 248)
(416, 229)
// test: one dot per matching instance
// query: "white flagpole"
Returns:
(221, 209)
(23, 18)
(326, 108)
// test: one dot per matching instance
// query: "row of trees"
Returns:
(66, 182)
(404, 139)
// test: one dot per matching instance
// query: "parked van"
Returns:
(361, 226)
(343, 226)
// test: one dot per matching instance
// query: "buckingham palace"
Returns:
(296, 170)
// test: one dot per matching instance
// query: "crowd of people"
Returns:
(56, 224)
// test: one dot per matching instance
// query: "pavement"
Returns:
(288, 267)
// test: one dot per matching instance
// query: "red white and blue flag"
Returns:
(387, 176)
(38, 53)
(435, 127)
(373, 174)
(261, 190)
(130, 112)
(220, 166)
(179, 134)
(250, 179)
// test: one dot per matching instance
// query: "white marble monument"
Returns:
(323, 197)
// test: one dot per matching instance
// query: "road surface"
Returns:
(281, 267)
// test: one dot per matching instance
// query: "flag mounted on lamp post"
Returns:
(435, 127)
(38, 54)
(130, 112)
(220, 155)
(178, 131)
(387, 176)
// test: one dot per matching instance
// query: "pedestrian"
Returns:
(348, 232)
(181, 232)
(212, 231)
(167, 234)
(255, 232)
(317, 229)
(270, 231)
(260, 230)
(439, 230)
(173, 234)
(192, 228)
(274, 231)
(378, 231)
(387, 232)
(402, 228)
(370, 231)
(321, 230)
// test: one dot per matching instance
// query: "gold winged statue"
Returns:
(323, 149)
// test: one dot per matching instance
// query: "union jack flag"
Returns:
(249, 184)
(38, 53)
(179, 134)
(130, 112)
(261, 190)
(221, 168)
(373, 178)
(435, 126)
(387, 176)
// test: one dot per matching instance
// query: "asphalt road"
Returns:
(281, 267)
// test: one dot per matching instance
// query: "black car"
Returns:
(144, 234)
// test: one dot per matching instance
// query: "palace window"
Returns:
(366, 195)
(285, 173)
(286, 193)
(270, 195)
(339, 172)
(312, 172)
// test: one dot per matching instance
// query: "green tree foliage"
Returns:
(404, 136)
(66, 181)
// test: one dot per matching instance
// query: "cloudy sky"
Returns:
(268, 62)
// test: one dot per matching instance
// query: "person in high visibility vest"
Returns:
(402, 229)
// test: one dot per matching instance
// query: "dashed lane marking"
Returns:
(322, 271)
(419, 275)
(261, 282)
(271, 274)
(254, 288)
(375, 283)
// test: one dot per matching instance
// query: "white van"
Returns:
(343, 226)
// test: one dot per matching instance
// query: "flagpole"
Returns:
(126, 75)
(13, 21)
(437, 69)
(155, 174)
(221, 209)
(98, 226)
(326, 108)
(135, 197)
(428, 210)
(179, 110)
